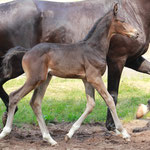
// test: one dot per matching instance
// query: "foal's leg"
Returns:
(35, 103)
(98, 84)
(89, 107)
(13, 100)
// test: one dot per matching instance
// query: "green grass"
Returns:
(65, 100)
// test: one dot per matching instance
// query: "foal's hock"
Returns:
(85, 60)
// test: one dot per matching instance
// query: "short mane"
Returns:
(94, 27)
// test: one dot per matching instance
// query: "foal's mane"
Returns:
(95, 26)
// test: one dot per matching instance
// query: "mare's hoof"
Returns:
(4, 118)
(67, 138)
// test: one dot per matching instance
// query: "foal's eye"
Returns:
(122, 21)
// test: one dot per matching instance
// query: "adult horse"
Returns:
(70, 22)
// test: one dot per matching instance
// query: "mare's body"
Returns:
(84, 60)
(70, 22)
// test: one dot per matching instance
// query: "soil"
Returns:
(89, 137)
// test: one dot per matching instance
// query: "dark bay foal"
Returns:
(84, 60)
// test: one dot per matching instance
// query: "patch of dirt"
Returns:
(89, 137)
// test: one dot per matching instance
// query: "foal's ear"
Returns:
(115, 9)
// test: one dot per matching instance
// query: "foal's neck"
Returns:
(98, 38)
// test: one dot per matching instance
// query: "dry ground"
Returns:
(89, 137)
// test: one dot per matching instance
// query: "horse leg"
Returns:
(89, 107)
(5, 98)
(35, 103)
(140, 64)
(14, 98)
(3, 95)
(114, 74)
(98, 84)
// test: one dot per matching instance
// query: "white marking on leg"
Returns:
(49, 70)
(49, 139)
(5, 132)
(74, 128)
(78, 123)
(89, 107)
(117, 132)
(125, 134)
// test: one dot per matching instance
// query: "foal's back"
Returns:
(63, 60)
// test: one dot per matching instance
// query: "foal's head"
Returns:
(119, 26)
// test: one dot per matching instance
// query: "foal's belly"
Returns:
(66, 73)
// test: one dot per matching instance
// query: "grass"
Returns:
(65, 100)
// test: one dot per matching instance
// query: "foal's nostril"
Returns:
(137, 35)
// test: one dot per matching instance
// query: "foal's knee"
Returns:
(13, 99)
(34, 104)
(90, 106)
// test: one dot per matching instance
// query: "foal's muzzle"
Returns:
(134, 34)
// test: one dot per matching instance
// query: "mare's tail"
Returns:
(12, 62)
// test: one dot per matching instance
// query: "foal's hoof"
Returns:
(117, 132)
(128, 139)
(4, 118)
(125, 135)
(54, 144)
(67, 138)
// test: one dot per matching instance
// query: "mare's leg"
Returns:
(35, 103)
(89, 107)
(5, 98)
(3, 95)
(98, 84)
(114, 73)
(140, 64)
(11, 67)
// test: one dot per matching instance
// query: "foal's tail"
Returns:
(12, 62)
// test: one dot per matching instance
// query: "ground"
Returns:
(89, 137)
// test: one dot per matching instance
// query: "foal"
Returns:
(84, 60)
